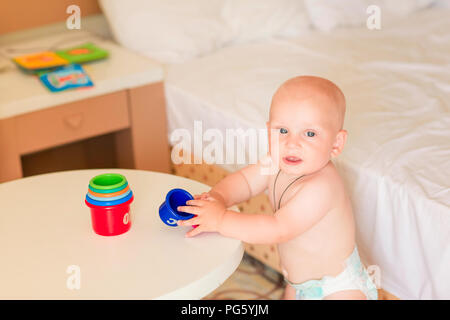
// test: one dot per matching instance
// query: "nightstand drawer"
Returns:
(71, 122)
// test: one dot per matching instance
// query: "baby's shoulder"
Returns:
(314, 197)
(326, 183)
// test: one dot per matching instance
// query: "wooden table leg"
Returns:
(148, 131)
(10, 164)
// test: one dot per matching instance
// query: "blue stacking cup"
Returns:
(168, 210)
(108, 203)
(109, 198)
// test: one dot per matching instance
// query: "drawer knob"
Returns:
(74, 121)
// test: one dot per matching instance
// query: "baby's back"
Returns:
(322, 249)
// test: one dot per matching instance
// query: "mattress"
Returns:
(396, 163)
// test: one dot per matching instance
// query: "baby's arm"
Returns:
(307, 207)
(240, 185)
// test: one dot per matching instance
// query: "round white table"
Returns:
(50, 251)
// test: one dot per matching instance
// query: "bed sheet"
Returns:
(396, 163)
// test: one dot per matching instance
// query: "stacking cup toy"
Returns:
(109, 197)
(168, 209)
(108, 182)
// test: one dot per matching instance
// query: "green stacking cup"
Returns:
(107, 181)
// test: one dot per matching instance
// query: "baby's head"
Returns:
(307, 115)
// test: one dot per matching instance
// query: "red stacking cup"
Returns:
(112, 220)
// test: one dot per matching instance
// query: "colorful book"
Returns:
(66, 77)
(84, 53)
(39, 61)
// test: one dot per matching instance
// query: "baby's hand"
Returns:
(209, 212)
(202, 196)
(210, 194)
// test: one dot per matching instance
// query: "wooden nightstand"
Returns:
(128, 98)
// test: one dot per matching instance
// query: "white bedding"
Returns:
(397, 159)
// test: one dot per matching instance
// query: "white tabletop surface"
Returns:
(45, 228)
(21, 93)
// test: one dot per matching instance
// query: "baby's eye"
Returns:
(283, 130)
(310, 134)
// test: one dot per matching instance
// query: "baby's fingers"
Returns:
(197, 203)
(189, 209)
(202, 196)
(194, 232)
(190, 222)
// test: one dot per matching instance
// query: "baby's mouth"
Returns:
(291, 160)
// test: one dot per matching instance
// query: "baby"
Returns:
(313, 223)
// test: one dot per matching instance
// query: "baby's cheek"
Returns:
(275, 139)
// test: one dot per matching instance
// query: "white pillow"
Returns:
(259, 19)
(442, 3)
(171, 31)
(327, 15)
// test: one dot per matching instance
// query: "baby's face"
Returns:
(307, 130)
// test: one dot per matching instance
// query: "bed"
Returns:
(396, 163)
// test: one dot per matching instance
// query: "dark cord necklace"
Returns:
(274, 185)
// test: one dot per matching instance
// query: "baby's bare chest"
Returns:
(282, 189)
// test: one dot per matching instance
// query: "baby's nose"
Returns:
(293, 141)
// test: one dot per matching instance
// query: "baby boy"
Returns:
(313, 223)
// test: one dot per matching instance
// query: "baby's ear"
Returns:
(339, 143)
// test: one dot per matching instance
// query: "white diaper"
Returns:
(354, 277)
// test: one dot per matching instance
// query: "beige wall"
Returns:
(17, 15)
